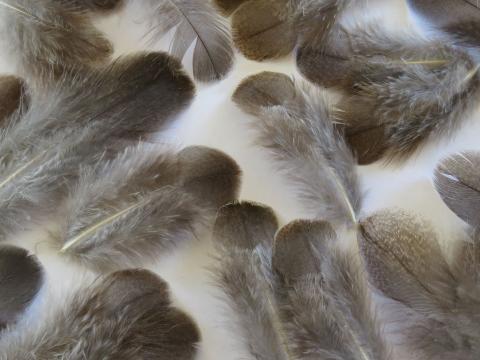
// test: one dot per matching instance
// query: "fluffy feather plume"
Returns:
(125, 315)
(399, 90)
(295, 123)
(12, 98)
(457, 180)
(21, 277)
(45, 37)
(436, 302)
(144, 203)
(458, 18)
(197, 21)
(85, 117)
(323, 296)
(263, 29)
(243, 235)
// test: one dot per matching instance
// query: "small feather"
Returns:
(21, 277)
(243, 235)
(262, 29)
(300, 133)
(323, 297)
(125, 315)
(195, 20)
(458, 182)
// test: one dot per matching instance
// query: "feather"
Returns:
(405, 262)
(300, 133)
(195, 20)
(263, 29)
(12, 97)
(323, 297)
(95, 5)
(243, 235)
(144, 203)
(45, 37)
(458, 182)
(124, 315)
(228, 6)
(459, 18)
(87, 117)
(399, 90)
(21, 277)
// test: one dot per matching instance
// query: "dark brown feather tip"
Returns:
(211, 175)
(101, 5)
(367, 142)
(227, 7)
(12, 96)
(21, 277)
(245, 225)
(457, 180)
(262, 29)
(298, 247)
(264, 90)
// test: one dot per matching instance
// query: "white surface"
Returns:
(214, 120)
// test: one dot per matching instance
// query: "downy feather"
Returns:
(400, 90)
(143, 203)
(45, 37)
(82, 119)
(243, 235)
(457, 180)
(195, 21)
(323, 296)
(21, 277)
(295, 122)
(125, 315)
(436, 302)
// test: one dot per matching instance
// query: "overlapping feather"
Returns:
(124, 315)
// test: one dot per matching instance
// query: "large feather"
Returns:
(195, 20)
(144, 203)
(243, 235)
(125, 315)
(295, 123)
(45, 37)
(400, 89)
(437, 303)
(21, 277)
(81, 119)
(323, 296)
(457, 180)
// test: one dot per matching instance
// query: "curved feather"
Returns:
(323, 296)
(21, 277)
(197, 21)
(124, 315)
(243, 235)
(296, 123)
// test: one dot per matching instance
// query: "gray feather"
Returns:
(297, 125)
(198, 21)
(21, 277)
(125, 315)
(405, 262)
(243, 235)
(323, 296)
(458, 182)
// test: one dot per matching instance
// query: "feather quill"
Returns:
(143, 203)
(87, 117)
(45, 37)
(323, 297)
(441, 299)
(457, 180)
(243, 235)
(124, 315)
(399, 90)
(197, 21)
(21, 277)
(296, 123)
